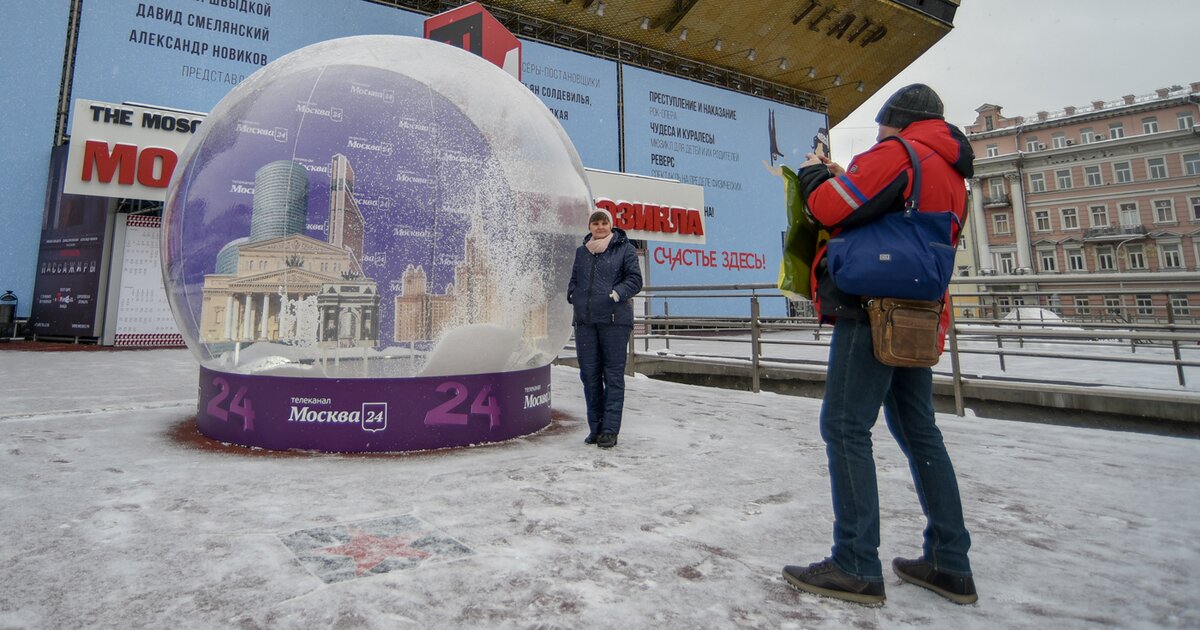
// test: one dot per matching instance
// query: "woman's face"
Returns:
(600, 228)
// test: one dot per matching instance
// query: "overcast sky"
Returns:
(1031, 55)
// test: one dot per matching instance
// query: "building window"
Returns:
(1047, 260)
(1070, 219)
(1058, 140)
(1116, 130)
(1191, 163)
(1063, 178)
(996, 188)
(1104, 259)
(1184, 120)
(1075, 260)
(1004, 263)
(1180, 306)
(988, 123)
(1135, 257)
(1157, 167)
(1099, 216)
(1086, 135)
(1145, 304)
(993, 150)
(1122, 172)
(1130, 216)
(1164, 211)
(1041, 221)
(1031, 144)
(1112, 304)
(1170, 256)
(1150, 125)
(1081, 306)
(1000, 223)
(1195, 203)
(1037, 182)
(1092, 175)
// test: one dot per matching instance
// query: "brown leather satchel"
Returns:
(904, 333)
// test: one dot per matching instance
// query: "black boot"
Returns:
(958, 589)
(607, 440)
(824, 578)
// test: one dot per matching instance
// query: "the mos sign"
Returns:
(650, 208)
(125, 150)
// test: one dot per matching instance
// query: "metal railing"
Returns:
(992, 327)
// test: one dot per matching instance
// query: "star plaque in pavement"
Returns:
(375, 546)
(369, 550)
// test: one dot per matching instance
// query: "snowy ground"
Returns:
(116, 514)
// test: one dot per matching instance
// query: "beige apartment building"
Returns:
(1112, 189)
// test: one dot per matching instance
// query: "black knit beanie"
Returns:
(910, 104)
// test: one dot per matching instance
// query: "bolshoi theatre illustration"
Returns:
(279, 284)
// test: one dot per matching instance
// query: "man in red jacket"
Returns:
(856, 384)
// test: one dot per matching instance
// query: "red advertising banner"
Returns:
(476, 31)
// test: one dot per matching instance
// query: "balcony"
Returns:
(996, 201)
(1113, 232)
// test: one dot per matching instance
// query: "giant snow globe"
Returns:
(366, 247)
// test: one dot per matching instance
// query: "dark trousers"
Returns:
(855, 387)
(601, 350)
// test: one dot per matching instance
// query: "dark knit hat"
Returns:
(910, 104)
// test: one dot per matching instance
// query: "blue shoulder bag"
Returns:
(906, 254)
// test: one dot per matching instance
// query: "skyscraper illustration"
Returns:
(280, 200)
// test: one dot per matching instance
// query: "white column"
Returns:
(229, 315)
(1021, 222)
(978, 223)
(266, 316)
(247, 328)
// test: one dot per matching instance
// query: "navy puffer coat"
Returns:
(595, 276)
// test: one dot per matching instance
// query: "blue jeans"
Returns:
(601, 349)
(855, 387)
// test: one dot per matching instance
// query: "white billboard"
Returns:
(127, 151)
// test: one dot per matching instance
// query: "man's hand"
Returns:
(814, 159)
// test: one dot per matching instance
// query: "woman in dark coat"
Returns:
(604, 279)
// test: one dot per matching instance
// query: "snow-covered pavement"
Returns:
(114, 512)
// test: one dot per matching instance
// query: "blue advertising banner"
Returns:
(732, 145)
(34, 33)
(581, 91)
(188, 54)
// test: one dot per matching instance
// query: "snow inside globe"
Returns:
(374, 234)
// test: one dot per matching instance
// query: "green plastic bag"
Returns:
(800, 243)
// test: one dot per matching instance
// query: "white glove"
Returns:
(614, 296)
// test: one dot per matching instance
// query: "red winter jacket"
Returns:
(876, 182)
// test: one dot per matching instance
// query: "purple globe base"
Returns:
(358, 415)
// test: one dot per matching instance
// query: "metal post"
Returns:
(755, 335)
(667, 323)
(956, 372)
(1174, 342)
(629, 360)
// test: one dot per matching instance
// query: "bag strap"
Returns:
(913, 201)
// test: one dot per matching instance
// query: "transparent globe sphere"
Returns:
(375, 206)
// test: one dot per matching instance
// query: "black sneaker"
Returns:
(960, 590)
(824, 578)
(606, 440)
(590, 439)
